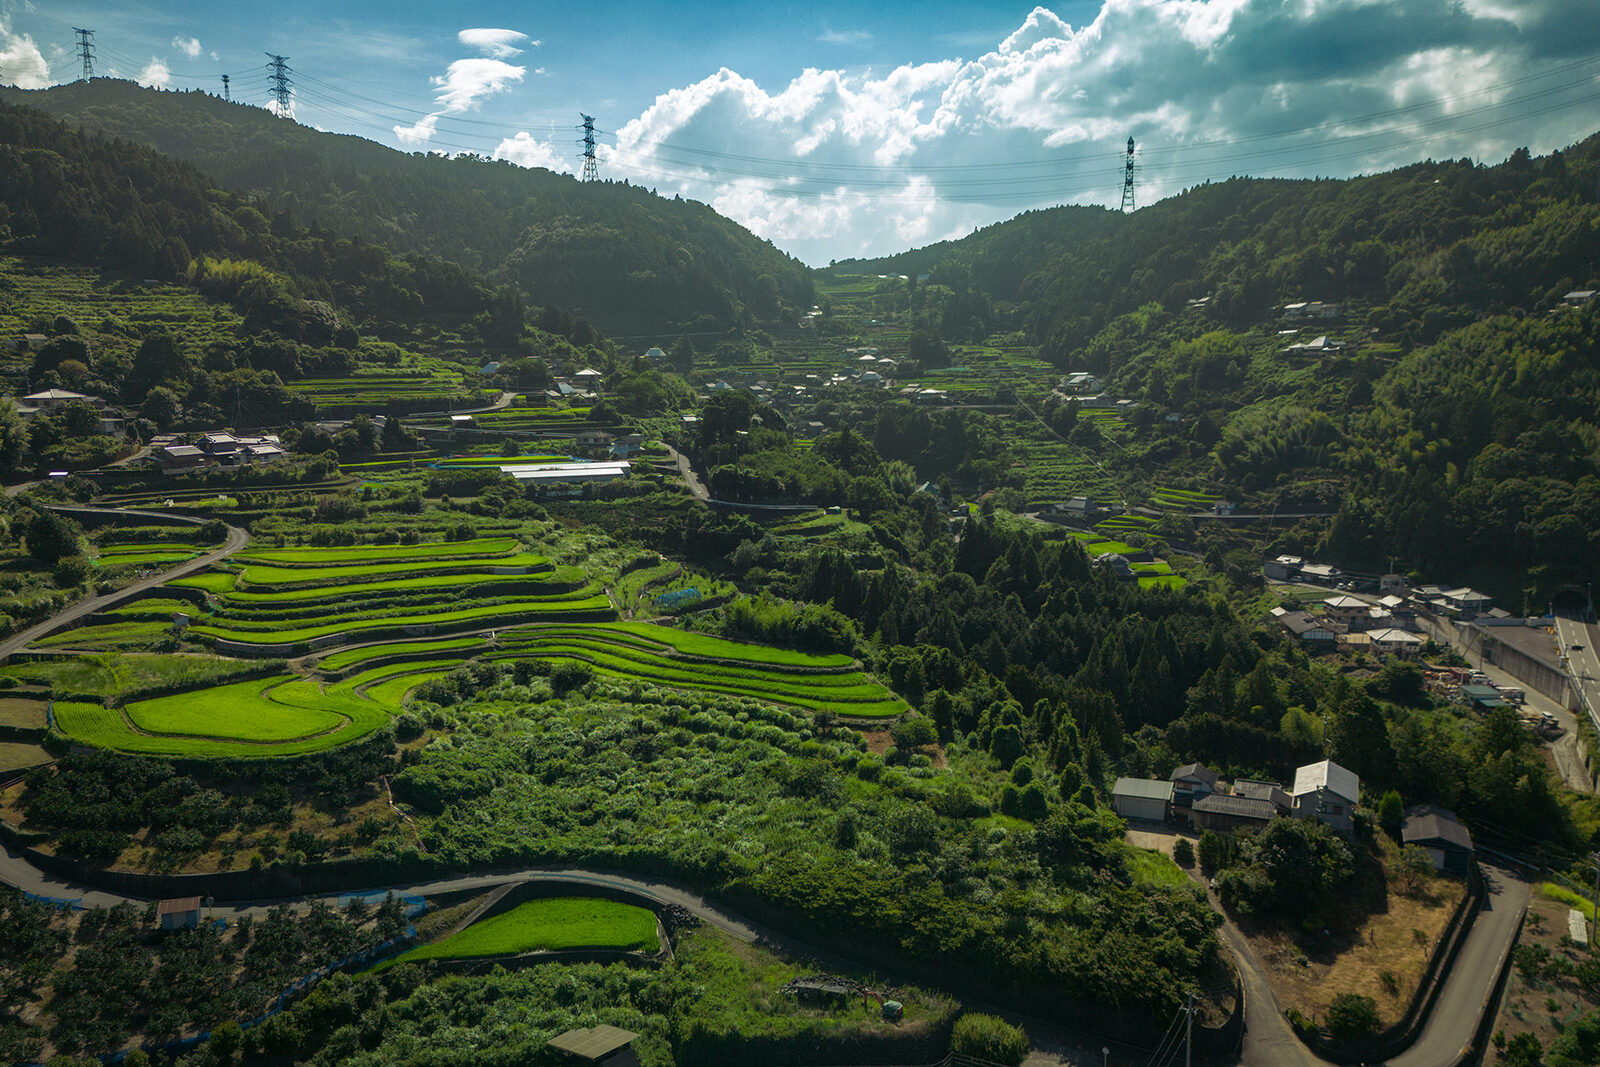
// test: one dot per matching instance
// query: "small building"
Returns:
(1483, 697)
(655, 355)
(1350, 610)
(27, 342)
(627, 446)
(1441, 835)
(1226, 812)
(178, 457)
(1326, 792)
(1283, 569)
(593, 439)
(1116, 564)
(1271, 792)
(588, 377)
(1307, 627)
(179, 913)
(1078, 505)
(218, 443)
(1190, 782)
(1395, 641)
(1324, 573)
(1393, 583)
(52, 399)
(1142, 798)
(1578, 297)
(1467, 603)
(603, 1044)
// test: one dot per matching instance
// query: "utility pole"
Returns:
(1188, 1023)
(85, 51)
(591, 169)
(278, 74)
(1594, 858)
(226, 90)
(1127, 180)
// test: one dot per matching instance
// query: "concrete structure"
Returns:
(1440, 833)
(1327, 792)
(1283, 569)
(1142, 798)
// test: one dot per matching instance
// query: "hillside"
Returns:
(621, 255)
(1421, 249)
(1443, 414)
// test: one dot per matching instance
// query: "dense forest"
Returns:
(615, 252)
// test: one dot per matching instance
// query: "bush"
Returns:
(1352, 1017)
(988, 1038)
(71, 571)
(1213, 851)
(1183, 853)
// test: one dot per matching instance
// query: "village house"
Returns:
(1439, 833)
(1191, 782)
(1348, 611)
(1306, 627)
(1326, 792)
(592, 439)
(1227, 813)
(26, 342)
(1283, 569)
(1394, 641)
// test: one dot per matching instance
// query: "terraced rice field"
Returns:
(549, 925)
(677, 659)
(1183, 499)
(1057, 471)
(145, 555)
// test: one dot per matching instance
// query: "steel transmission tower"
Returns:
(227, 93)
(591, 169)
(1127, 180)
(86, 51)
(279, 76)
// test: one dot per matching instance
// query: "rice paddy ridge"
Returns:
(317, 556)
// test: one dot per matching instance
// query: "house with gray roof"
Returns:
(1142, 798)
(1327, 792)
(1438, 832)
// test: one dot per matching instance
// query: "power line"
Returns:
(1127, 181)
(591, 169)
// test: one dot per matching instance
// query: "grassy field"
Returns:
(241, 712)
(21, 714)
(16, 756)
(549, 925)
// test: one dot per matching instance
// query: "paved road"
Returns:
(1466, 994)
(1583, 663)
(690, 478)
(237, 539)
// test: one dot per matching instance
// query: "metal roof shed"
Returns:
(600, 1044)
(1142, 798)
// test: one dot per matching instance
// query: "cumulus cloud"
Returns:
(835, 163)
(155, 74)
(189, 46)
(468, 81)
(845, 37)
(525, 150)
(21, 62)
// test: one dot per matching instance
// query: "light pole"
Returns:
(1105, 1056)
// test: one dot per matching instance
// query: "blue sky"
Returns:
(839, 129)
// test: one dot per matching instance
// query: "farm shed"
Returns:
(1142, 798)
(1222, 811)
(1440, 833)
(179, 913)
(604, 1044)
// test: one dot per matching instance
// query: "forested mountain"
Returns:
(1420, 249)
(618, 253)
(1450, 417)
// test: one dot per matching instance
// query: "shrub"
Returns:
(988, 1038)
(1352, 1017)
(70, 571)
(1213, 851)
(1183, 853)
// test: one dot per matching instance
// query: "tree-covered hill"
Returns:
(1418, 250)
(618, 253)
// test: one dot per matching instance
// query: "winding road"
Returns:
(237, 538)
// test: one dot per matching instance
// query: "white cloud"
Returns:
(467, 81)
(21, 63)
(845, 37)
(189, 46)
(527, 151)
(836, 163)
(496, 44)
(155, 74)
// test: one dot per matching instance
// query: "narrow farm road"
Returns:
(237, 539)
(1471, 982)
(696, 488)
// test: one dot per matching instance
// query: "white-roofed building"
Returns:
(1327, 792)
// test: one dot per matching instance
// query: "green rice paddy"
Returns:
(554, 924)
